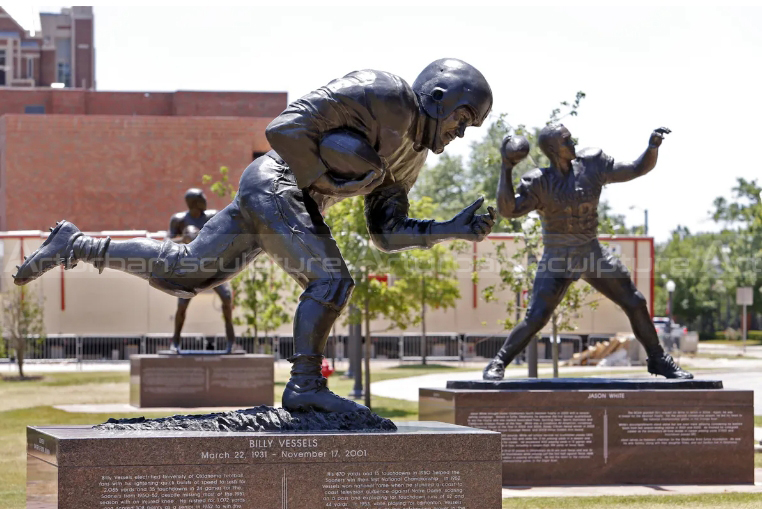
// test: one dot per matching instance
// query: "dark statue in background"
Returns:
(367, 133)
(565, 195)
(184, 228)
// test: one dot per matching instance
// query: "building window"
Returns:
(64, 74)
(30, 68)
(63, 61)
(38, 109)
(2, 67)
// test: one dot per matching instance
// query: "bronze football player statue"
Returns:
(184, 228)
(566, 195)
(367, 133)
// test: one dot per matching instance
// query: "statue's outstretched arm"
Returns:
(625, 171)
(391, 230)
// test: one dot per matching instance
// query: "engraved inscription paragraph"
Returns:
(174, 380)
(540, 437)
(680, 427)
(158, 491)
(411, 489)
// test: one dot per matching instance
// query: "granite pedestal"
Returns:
(602, 431)
(421, 465)
(192, 381)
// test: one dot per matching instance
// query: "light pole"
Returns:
(645, 217)
(670, 291)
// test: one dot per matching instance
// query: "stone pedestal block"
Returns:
(601, 431)
(191, 381)
(421, 465)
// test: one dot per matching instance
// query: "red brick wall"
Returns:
(14, 100)
(87, 102)
(47, 69)
(128, 103)
(234, 104)
(115, 172)
(71, 102)
(3, 180)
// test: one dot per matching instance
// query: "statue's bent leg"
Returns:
(225, 292)
(609, 276)
(548, 289)
(293, 233)
(221, 250)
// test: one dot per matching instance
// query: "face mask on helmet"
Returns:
(444, 86)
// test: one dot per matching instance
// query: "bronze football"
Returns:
(349, 156)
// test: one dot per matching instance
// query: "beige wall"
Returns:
(80, 301)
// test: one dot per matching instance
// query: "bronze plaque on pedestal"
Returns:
(192, 381)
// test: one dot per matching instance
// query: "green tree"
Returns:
(448, 184)
(742, 220)
(612, 223)
(23, 323)
(430, 281)
(428, 277)
(259, 291)
(222, 187)
(695, 263)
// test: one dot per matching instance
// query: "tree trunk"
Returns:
(20, 360)
(256, 332)
(423, 320)
(555, 345)
(368, 350)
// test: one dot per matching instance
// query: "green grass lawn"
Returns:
(31, 403)
(720, 501)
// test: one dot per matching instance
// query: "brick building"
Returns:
(120, 160)
(61, 52)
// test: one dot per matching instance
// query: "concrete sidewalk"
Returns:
(731, 350)
(738, 374)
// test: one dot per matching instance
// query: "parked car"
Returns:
(676, 332)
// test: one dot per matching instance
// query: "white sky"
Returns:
(693, 69)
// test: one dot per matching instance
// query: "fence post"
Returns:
(79, 351)
(462, 347)
(276, 347)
